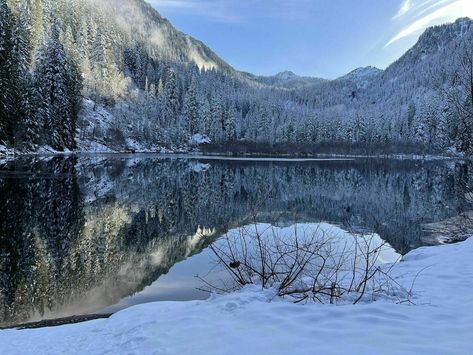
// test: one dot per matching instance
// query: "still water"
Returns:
(88, 234)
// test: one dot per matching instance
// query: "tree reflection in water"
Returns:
(78, 234)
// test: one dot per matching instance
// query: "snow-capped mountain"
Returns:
(285, 80)
(362, 77)
(147, 86)
(137, 21)
(286, 76)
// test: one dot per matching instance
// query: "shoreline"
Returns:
(243, 156)
(442, 283)
(56, 322)
(87, 318)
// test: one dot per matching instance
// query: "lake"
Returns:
(95, 234)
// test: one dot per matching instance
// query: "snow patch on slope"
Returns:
(199, 139)
(94, 121)
(101, 131)
(362, 77)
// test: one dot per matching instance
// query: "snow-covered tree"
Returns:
(58, 84)
(191, 107)
(6, 75)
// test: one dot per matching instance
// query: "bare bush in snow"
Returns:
(305, 265)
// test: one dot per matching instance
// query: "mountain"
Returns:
(286, 76)
(127, 80)
(362, 77)
(443, 40)
(287, 80)
(139, 24)
(423, 99)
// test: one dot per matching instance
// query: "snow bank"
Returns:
(198, 139)
(440, 322)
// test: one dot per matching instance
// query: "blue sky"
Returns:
(323, 38)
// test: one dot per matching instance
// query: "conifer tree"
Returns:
(170, 99)
(6, 79)
(58, 85)
(191, 107)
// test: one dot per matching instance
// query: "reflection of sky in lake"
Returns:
(94, 230)
(181, 283)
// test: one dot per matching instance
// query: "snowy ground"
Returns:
(95, 123)
(440, 322)
(5, 152)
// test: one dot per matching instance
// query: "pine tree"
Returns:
(26, 131)
(205, 115)
(442, 139)
(37, 25)
(191, 107)
(264, 125)
(230, 123)
(170, 99)
(58, 85)
(216, 117)
(6, 75)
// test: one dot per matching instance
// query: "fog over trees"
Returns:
(62, 61)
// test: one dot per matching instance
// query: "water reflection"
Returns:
(80, 234)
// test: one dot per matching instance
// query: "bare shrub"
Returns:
(309, 267)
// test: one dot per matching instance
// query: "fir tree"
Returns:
(230, 123)
(26, 132)
(170, 99)
(191, 107)
(6, 75)
(58, 84)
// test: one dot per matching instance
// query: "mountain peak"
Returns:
(449, 30)
(286, 75)
(436, 39)
(361, 76)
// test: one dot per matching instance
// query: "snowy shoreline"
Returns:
(439, 322)
(9, 154)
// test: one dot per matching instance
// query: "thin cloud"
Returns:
(404, 9)
(216, 10)
(237, 11)
(174, 4)
(417, 16)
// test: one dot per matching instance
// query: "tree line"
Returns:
(161, 88)
(41, 82)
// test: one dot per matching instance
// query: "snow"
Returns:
(199, 167)
(362, 77)
(138, 147)
(286, 75)
(93, 118)
(95, 121)
(268, 159)
(198, 139)
(254, 322)
(181, 284)
(5, 152)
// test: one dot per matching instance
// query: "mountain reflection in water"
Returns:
(80, 234)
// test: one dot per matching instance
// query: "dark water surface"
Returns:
(82, 235)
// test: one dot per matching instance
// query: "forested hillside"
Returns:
(115, 75)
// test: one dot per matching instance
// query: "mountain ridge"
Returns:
(142, 85)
